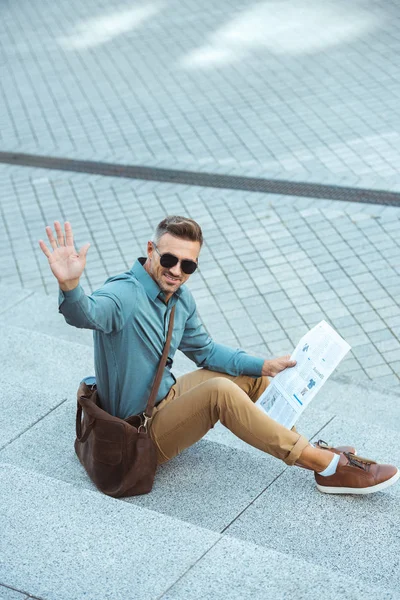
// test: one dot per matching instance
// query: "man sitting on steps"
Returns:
(129, 315)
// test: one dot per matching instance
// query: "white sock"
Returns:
(331, 468)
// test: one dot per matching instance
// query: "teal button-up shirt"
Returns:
(130, 319)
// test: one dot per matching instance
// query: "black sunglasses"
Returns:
(168, 260)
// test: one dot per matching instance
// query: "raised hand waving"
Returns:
(65, 262)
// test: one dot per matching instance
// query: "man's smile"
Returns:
(171, 278)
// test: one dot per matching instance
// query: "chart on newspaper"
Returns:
(317, 355)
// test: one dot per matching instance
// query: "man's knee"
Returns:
(226, 393)
(222, 385)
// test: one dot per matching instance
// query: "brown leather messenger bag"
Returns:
(118, 454)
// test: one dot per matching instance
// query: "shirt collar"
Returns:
(151, 287)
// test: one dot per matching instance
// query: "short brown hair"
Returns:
(180, 227)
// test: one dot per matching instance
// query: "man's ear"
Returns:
(150, 249)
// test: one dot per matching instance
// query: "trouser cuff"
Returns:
(296, 451)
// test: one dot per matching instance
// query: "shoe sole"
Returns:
(369, 490)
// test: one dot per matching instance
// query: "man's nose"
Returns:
(176, 270)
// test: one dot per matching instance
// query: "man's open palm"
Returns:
(65, 262)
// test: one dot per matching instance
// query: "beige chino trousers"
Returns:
(201, 398)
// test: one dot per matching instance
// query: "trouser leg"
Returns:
(198, 400)
(252, 386)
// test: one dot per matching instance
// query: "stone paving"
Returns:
(291, 89)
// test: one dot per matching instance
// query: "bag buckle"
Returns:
(143, 426)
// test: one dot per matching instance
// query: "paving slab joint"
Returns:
(33, 424)
(188, 570)
(26, 594)
(4, 310)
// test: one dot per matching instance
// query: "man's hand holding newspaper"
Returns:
(276, 365)
(317, 355)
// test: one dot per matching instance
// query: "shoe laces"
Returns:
(359, 461)
(322, 444)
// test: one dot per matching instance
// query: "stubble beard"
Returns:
(168, 289)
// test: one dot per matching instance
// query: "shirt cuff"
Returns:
(71, 296)
(252, 365)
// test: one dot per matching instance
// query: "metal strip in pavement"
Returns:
(196, 178)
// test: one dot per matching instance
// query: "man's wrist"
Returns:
(265, 371)
(68, 286)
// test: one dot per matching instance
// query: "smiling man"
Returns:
(130, 314)
(168, 272)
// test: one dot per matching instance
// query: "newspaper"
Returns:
(317, 354)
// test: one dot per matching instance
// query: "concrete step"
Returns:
(11, 296)
(352, 535)
(202, 477)
(35, 311)
(244, 571)
(221, 483)
(60, 542)
(63, 543)
(38, 372)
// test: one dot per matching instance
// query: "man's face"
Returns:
(170, 279)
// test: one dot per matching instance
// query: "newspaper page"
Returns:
(317, 354)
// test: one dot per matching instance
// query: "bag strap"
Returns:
(79, 436)
(163, 361)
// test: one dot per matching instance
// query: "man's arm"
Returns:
(106, 309)
(201, 348)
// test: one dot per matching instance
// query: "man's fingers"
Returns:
(84, 250)
(59, 232)
(68, 234)
(276, 365)
(50, 235)
(44, 248)
(289, 362)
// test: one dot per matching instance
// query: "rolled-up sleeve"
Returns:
(106, 310)
(197, 344)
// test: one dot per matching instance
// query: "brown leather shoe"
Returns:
(357, 475)
(324, 446)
